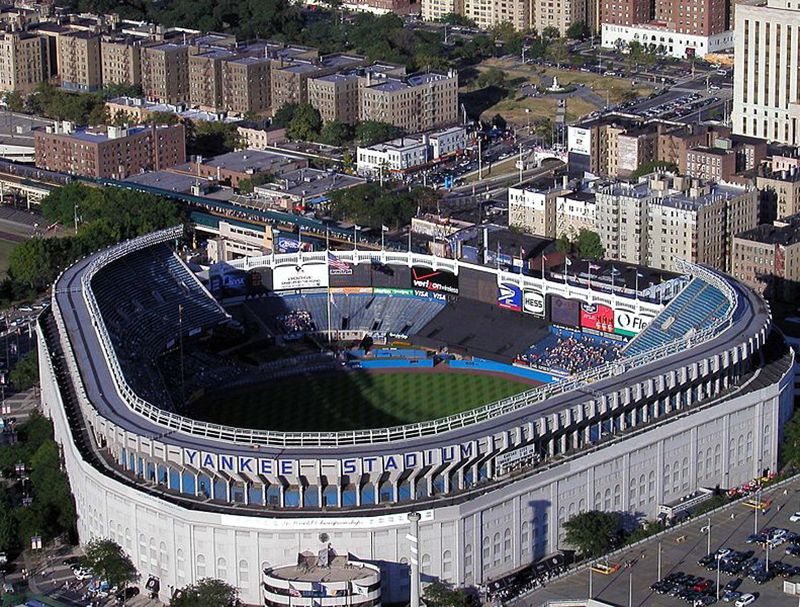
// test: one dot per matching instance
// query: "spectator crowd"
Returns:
(569, 352)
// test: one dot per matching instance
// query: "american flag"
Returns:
(293, 591)
(340, 266)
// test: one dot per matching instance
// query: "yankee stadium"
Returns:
(405, 409)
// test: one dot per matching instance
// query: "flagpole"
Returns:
(327, 239)
(409, 240)
(637, 284)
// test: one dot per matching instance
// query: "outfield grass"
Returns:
(351, 400)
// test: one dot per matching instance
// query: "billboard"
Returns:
(509, 296)
(565, 311)
(629, 323)
(227, 281)
(598, 317)
(533, 302)
(440, 281)
(579, 140)
(301, 276)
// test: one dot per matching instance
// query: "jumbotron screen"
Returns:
(565, 312)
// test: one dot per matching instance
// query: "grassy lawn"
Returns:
(351, 400)
(512, 107)
(6, 246)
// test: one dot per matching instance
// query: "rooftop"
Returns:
(339, 569)
(704, 149)
(783, 233)
(311, 183)
(242, 161)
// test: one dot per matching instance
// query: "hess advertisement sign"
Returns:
(533, 303)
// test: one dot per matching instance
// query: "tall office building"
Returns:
(766, 85)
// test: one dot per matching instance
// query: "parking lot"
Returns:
(682, 548)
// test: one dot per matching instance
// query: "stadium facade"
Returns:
(698, 399)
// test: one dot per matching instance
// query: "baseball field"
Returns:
(356, 399)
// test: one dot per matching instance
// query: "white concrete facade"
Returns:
(674, 44)
(766, 84)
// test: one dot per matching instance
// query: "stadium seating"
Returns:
(352, 312)
(694, 309)
(145, 299)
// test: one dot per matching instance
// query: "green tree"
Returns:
(283, 117)
(336, 133)
(106, 560)
(652, 167)
(438, 594)
(7, 531)
(563, 243)
(589, 245)
(305, 124)
(371, 132)
(25, 373)
(550, 33)
(246, 186)
(35, 262)
(206, 593)
(491, 77)
(374, 205)
(558, 52)
(578, 30)
(205, 138)
(456, 19)
(15, 101)
(594, 533)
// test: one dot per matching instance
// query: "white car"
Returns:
(795, 517)
(82, 574)
(745, 600)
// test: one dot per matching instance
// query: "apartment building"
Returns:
(120, 58)
(559, 14)
(434, 10)
(24, 61)
(383, 7)
(206, 78)
(109, 152)
(625, 12)
(535, 209)
(335, 96)
(780, 193)
(417, 103)
(767, 259)
(52, 32)
(488, 13)
(165, 72)
(79, 61)
(246, 85)
(664, 217)
(693, 17)
(711, 163)
(766, 81)
(289, 82)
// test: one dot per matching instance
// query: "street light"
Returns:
(719, 558)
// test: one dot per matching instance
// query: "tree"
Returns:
(205, 138)
(336, 133)
(284, 115)
(15, 101)
(305, 123)
(371, 132)
(550, 33)
(492, 77)
(7, 531)
(206, 593)
(246, 186)
(25, 373)
(563, 243)
(594, 533)
(106, 560)
(438, 594)
(589, 245)
(456, 19)
(374, 205)
(578, 30)
(558, 52)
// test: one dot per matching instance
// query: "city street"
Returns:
(681, 548)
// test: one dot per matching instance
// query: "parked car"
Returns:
(745, 600)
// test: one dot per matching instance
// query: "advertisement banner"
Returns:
(509, 296)
(352, 290)
(565, 311)
(533, 303)
(439, 281)
(305, 276)
(390, 291)
(598, 317)
(629, 323)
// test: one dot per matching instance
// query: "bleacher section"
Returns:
(566, 352)
(352, 312)
(145, 299)
(694, 309)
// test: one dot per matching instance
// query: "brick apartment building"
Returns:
(121, 60)
(109, 152)
(79, 61)
(165, 72)
(289, 81)
(24, 61)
